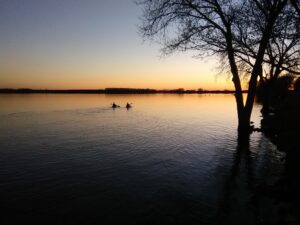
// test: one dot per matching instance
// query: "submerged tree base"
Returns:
(244, 131)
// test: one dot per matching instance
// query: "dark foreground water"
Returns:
(171, 159)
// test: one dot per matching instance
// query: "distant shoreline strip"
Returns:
(113, 91)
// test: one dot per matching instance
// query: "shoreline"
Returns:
(113, 91)
(281, 127)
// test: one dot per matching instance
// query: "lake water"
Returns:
(171, 159)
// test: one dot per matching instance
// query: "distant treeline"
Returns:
(112, 91)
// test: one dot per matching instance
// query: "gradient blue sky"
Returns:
(67, 44)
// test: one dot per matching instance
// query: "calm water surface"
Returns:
(171, 159)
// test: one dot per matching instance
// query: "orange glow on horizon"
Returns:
(220, 83)
(172, 74)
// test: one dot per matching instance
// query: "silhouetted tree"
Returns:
(283, 49)
(296, 5)
(215, 27)
(297, 85)
(282, 54)
(280, 87)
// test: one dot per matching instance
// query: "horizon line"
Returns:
(112, 88)
(114, 91)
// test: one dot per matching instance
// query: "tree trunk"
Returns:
(266, 97)
(244, 112)
(257, 68)
(243, 121)
(244, 126)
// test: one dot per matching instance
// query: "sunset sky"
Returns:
(89, 44)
